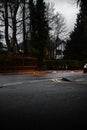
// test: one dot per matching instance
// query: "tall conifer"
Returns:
(32, 9)
(39, 29)
(77, 46)
(42, 30)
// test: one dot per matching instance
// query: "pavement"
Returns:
(43, 100)
(76, 78)
(56, 76)
(25, 72)
(64, 75)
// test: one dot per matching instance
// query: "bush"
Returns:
(63, 64)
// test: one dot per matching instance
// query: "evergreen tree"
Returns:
(39, 33)
(32, 9)
(77, 45)
(42, 30)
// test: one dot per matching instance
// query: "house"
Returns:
(58, 52)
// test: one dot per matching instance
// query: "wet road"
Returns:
(43, 101)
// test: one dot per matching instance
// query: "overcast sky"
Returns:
(69, 10)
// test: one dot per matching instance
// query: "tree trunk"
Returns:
(6, 26)
(24, 30)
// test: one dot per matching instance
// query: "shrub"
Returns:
(63, 64)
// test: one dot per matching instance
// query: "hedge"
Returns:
(64, 64)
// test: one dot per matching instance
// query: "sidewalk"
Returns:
(66, 75)
(35, 72)
(76, 78)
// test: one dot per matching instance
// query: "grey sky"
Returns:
(68, 8)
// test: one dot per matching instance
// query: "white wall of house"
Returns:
(58, 52)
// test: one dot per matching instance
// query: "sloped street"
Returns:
(43, 100)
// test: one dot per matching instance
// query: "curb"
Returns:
(66, 79)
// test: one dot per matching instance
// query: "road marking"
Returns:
(9, 84)
(40, 80)
(31, 81)
(56, 80)
(84, 83)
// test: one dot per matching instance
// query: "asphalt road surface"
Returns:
(51, 101)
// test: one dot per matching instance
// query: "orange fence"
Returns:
(14, 63)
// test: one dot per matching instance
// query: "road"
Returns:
(43, 101)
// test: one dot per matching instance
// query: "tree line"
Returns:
(76, 47)
(39, 27)
(34, 22)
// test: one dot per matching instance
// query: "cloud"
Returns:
(69, 10)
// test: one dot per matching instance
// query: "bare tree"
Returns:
(8, 19)
(13, 10)
(57, 28)
(12, 15)
(59, 25)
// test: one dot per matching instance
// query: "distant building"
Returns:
(58, 52)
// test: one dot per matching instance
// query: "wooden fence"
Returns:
(16, 63)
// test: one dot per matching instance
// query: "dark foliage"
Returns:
(33, 23)
(38, 28)
(77, 45)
